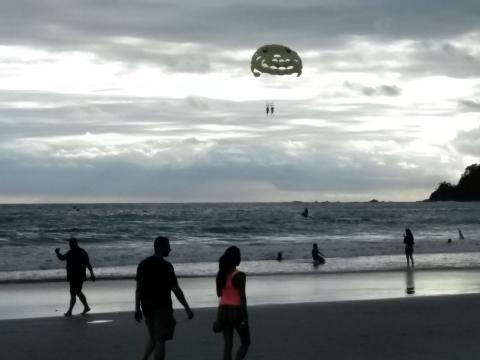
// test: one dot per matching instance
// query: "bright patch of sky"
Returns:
(157, 102)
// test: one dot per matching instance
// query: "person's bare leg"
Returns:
(228, 346)
(150, 345)
(244, 333)
(159, 352)
(83, 299)
(158, 336)
(73, 300)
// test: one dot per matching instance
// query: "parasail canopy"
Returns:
(276, 60)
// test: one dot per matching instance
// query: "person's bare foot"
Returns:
(86, 310)
(68, 314)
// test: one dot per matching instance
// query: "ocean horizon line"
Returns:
(230, 202)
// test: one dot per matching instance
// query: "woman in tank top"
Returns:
(232, 309)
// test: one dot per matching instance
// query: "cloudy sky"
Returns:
(146, 100)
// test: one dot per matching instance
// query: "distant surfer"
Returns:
(317, 256)
(280, 256)
(408, 241)
(272, 109)
(460, 234)
(267, 109)
(305, 213)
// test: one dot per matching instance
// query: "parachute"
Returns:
(275, 60)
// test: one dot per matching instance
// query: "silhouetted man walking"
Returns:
(77, 263)
(156, 280)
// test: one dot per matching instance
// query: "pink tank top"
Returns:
(230, 294)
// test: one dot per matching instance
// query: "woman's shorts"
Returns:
(229, 315)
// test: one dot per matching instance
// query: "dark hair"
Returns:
(160, 243)
(228, 261)
(73, 242)
(408, 238)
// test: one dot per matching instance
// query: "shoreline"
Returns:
(250, 275)
(463, 261)
(46, 299)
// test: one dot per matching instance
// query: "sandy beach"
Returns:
(438, 327)
(303, 317)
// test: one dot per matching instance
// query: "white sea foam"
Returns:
(353, 236)
(268, 267)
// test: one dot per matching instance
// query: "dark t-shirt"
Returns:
(156, 278)
(77, 262)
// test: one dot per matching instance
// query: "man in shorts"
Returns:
(77, 263)
(156, 280)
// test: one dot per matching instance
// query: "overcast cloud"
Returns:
(155, 101)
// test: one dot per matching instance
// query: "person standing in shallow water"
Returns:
(317, 256)
(232, 309)
(77, 263)
(305, 213)
(408, 241)
(156, 280)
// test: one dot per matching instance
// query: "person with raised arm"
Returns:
(77, 263)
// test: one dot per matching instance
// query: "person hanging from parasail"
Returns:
(275, 59)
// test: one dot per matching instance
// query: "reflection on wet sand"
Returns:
(410, 281)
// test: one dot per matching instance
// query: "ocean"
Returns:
(353, 236)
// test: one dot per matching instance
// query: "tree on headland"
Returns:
(467, 189)
(444, 192)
